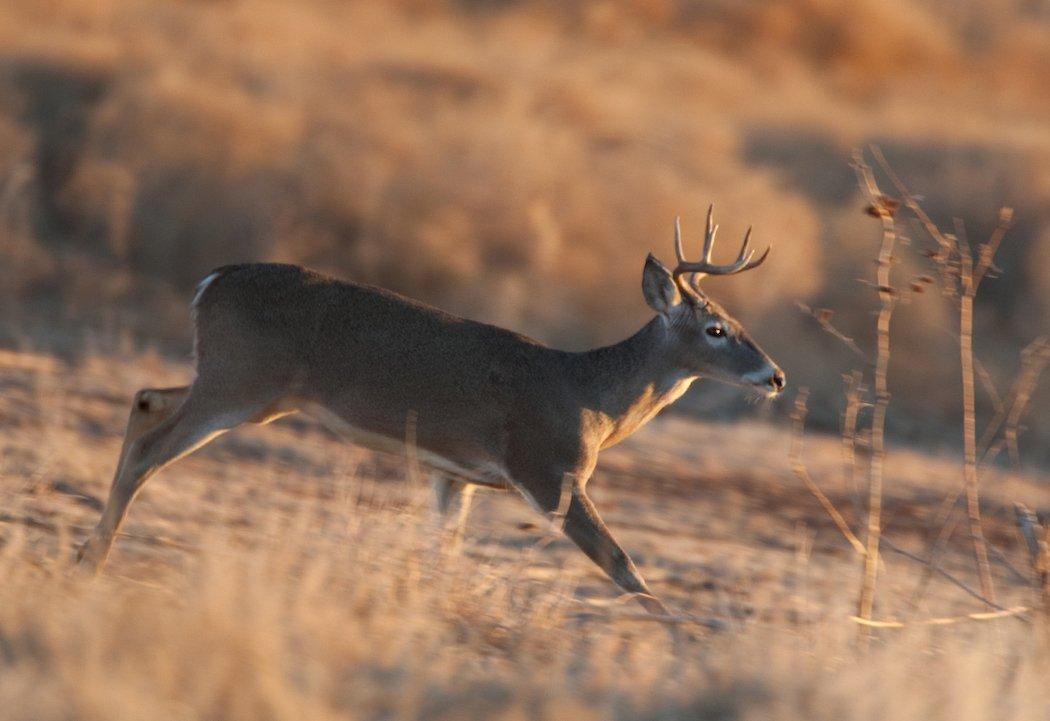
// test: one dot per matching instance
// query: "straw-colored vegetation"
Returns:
(514, 162)
(280, 574)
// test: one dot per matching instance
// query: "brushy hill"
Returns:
(514, 162)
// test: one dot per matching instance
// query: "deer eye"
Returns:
(716, 331)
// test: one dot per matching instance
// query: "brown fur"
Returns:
(487, 405)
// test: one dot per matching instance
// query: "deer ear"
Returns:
(658, 287)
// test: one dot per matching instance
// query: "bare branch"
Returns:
(1034, 359)
(1030, 530)
(854, 392)
(1038, 543)
(887, 298)
(1014, 612)
(910, 201)
(988, 383)
(986, 257)
(1006, 563)
(799, 422)
(973, 503)
(823, 317)
(944, 574)
(969, 277)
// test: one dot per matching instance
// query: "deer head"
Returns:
(701, 337)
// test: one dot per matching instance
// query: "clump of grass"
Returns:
(320, 615)
(513, 162)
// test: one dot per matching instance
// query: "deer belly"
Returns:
(472, 467)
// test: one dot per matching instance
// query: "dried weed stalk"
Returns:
(962, 275)
(1037, 541)
(879, 205)
(799, 419)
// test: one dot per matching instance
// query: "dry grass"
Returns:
(514, 162)
(281, 574)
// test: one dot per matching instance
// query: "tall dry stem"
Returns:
(1038, 543)
(973, 503)
(854, 393)
(1001, 431)
(887, 300)
(969, 276)
(798, 418)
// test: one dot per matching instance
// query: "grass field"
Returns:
(282, 574)
(513, 161)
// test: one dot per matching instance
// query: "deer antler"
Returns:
(704, 266)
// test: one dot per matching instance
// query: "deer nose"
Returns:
(777, 380)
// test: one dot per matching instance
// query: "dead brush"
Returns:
(960, 272)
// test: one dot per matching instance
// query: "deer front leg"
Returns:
(586, 529)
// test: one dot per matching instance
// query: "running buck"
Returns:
(488, 407)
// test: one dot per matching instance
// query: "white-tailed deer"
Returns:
(488, 406)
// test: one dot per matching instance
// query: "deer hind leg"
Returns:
(568, 505)
(150, 408)
(452, 499)
(156, 440)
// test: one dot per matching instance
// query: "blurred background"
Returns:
(514, 162)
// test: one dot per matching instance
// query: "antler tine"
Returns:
(678, 251)
(758, 261)
(709, 235)
(743, 248)
(745, 260)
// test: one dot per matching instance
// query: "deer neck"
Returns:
(624, 385)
